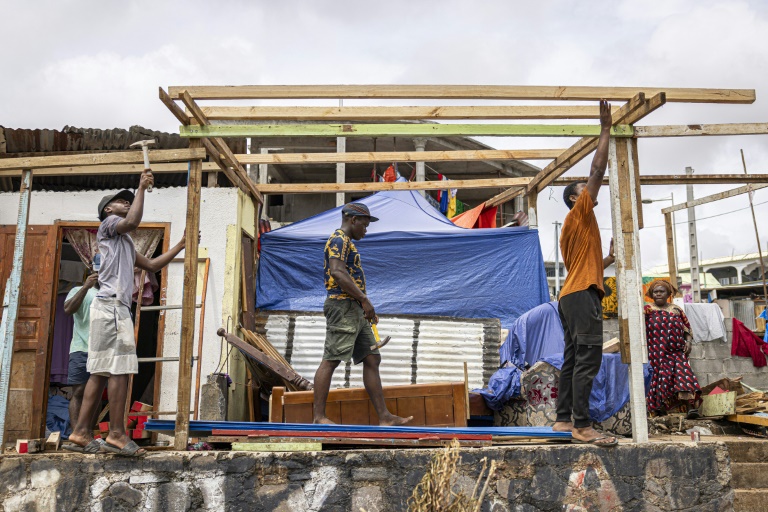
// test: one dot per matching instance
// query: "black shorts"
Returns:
(77, 373)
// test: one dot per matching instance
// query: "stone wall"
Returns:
(650, 477)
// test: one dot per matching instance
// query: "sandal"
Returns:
(596, 439)
(94, 446)
(131, 449)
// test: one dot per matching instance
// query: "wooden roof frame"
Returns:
(635, 103)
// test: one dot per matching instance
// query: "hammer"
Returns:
(379, 342)
(145, 148)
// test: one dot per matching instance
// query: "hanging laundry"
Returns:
(389, 174)
(451, 203)
(764, 316)
(439, 192)
(748, 344)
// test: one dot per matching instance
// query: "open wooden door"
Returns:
(28, 393)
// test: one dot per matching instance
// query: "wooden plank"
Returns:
(327, 188)
(499, 92)
(459, 404)
(125, 157)
(671, 256)
(276, 405)
(270, 113)
(635, 163)
(749, 418)
(95, 170)
(365, 441)
(400, 130)
(354, 412)
(300, 413)
(412, 406)
(397, 156)
(679, 179)
(338, 395)
(173, 107)
(438, 410)
(714, 197)
(300, 446)
(187, 341)
(255, 434)
(629, 279)
(690, 130)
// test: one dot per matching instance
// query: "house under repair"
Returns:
(198, 317)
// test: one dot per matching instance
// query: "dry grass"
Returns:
(435, 491)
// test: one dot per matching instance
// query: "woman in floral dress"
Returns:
(673, 385)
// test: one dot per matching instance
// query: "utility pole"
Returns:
(757, 233)
(557, 258)
(693, 246)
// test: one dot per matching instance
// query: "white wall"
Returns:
(218, 210)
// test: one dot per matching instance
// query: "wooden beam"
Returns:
(400, 130)
(396, 156)
(125, 157)
(267, 113)
(678, 179)
(629, 279)
(91, 170)
(326, 188)
(714, 197)
(238, 176)
(689, 130)
(184, 390)
(487, 92)
(671, 254)
(173, 107)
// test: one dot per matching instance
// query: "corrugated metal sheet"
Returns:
(421, 350)
(744, 311)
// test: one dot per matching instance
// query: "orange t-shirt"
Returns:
(581, 248)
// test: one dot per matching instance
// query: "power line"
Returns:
(698, 219)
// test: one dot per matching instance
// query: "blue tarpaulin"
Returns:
(415, 261)
(538, 336)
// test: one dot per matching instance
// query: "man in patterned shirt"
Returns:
(348, 315)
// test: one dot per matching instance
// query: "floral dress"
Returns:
(673, 382)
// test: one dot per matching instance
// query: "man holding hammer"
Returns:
(112, 348)
(348, 315)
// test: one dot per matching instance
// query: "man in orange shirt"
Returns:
(580, 305)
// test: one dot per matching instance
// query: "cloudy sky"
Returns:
(98, 64)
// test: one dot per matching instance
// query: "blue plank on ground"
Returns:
(208, 426)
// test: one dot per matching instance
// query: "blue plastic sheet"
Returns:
(57, 416)
(538, 336)
(415, 261)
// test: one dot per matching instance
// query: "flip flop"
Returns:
(131, 449)
(693, 414)
(595, 443)
(94, 446)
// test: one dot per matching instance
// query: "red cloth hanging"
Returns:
(477, 217)
(748, 344)
(389, 174)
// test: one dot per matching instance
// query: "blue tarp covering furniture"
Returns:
(415, 260)
(538, 336)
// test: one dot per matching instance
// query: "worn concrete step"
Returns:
(750, 500)
(748, 451)
(749, 475)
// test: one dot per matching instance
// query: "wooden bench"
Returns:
(441, 404)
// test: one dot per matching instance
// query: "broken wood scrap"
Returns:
(285, 372)
(262, 343)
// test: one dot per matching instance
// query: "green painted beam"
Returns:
(401, 130)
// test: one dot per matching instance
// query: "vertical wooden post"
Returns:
(671, 255)
(341, 169)
(11, 299)
(533, 218)
(187, 341)
(638, 188)
(693, 244)
(629, 277)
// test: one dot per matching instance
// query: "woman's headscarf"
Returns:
(666, 284)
